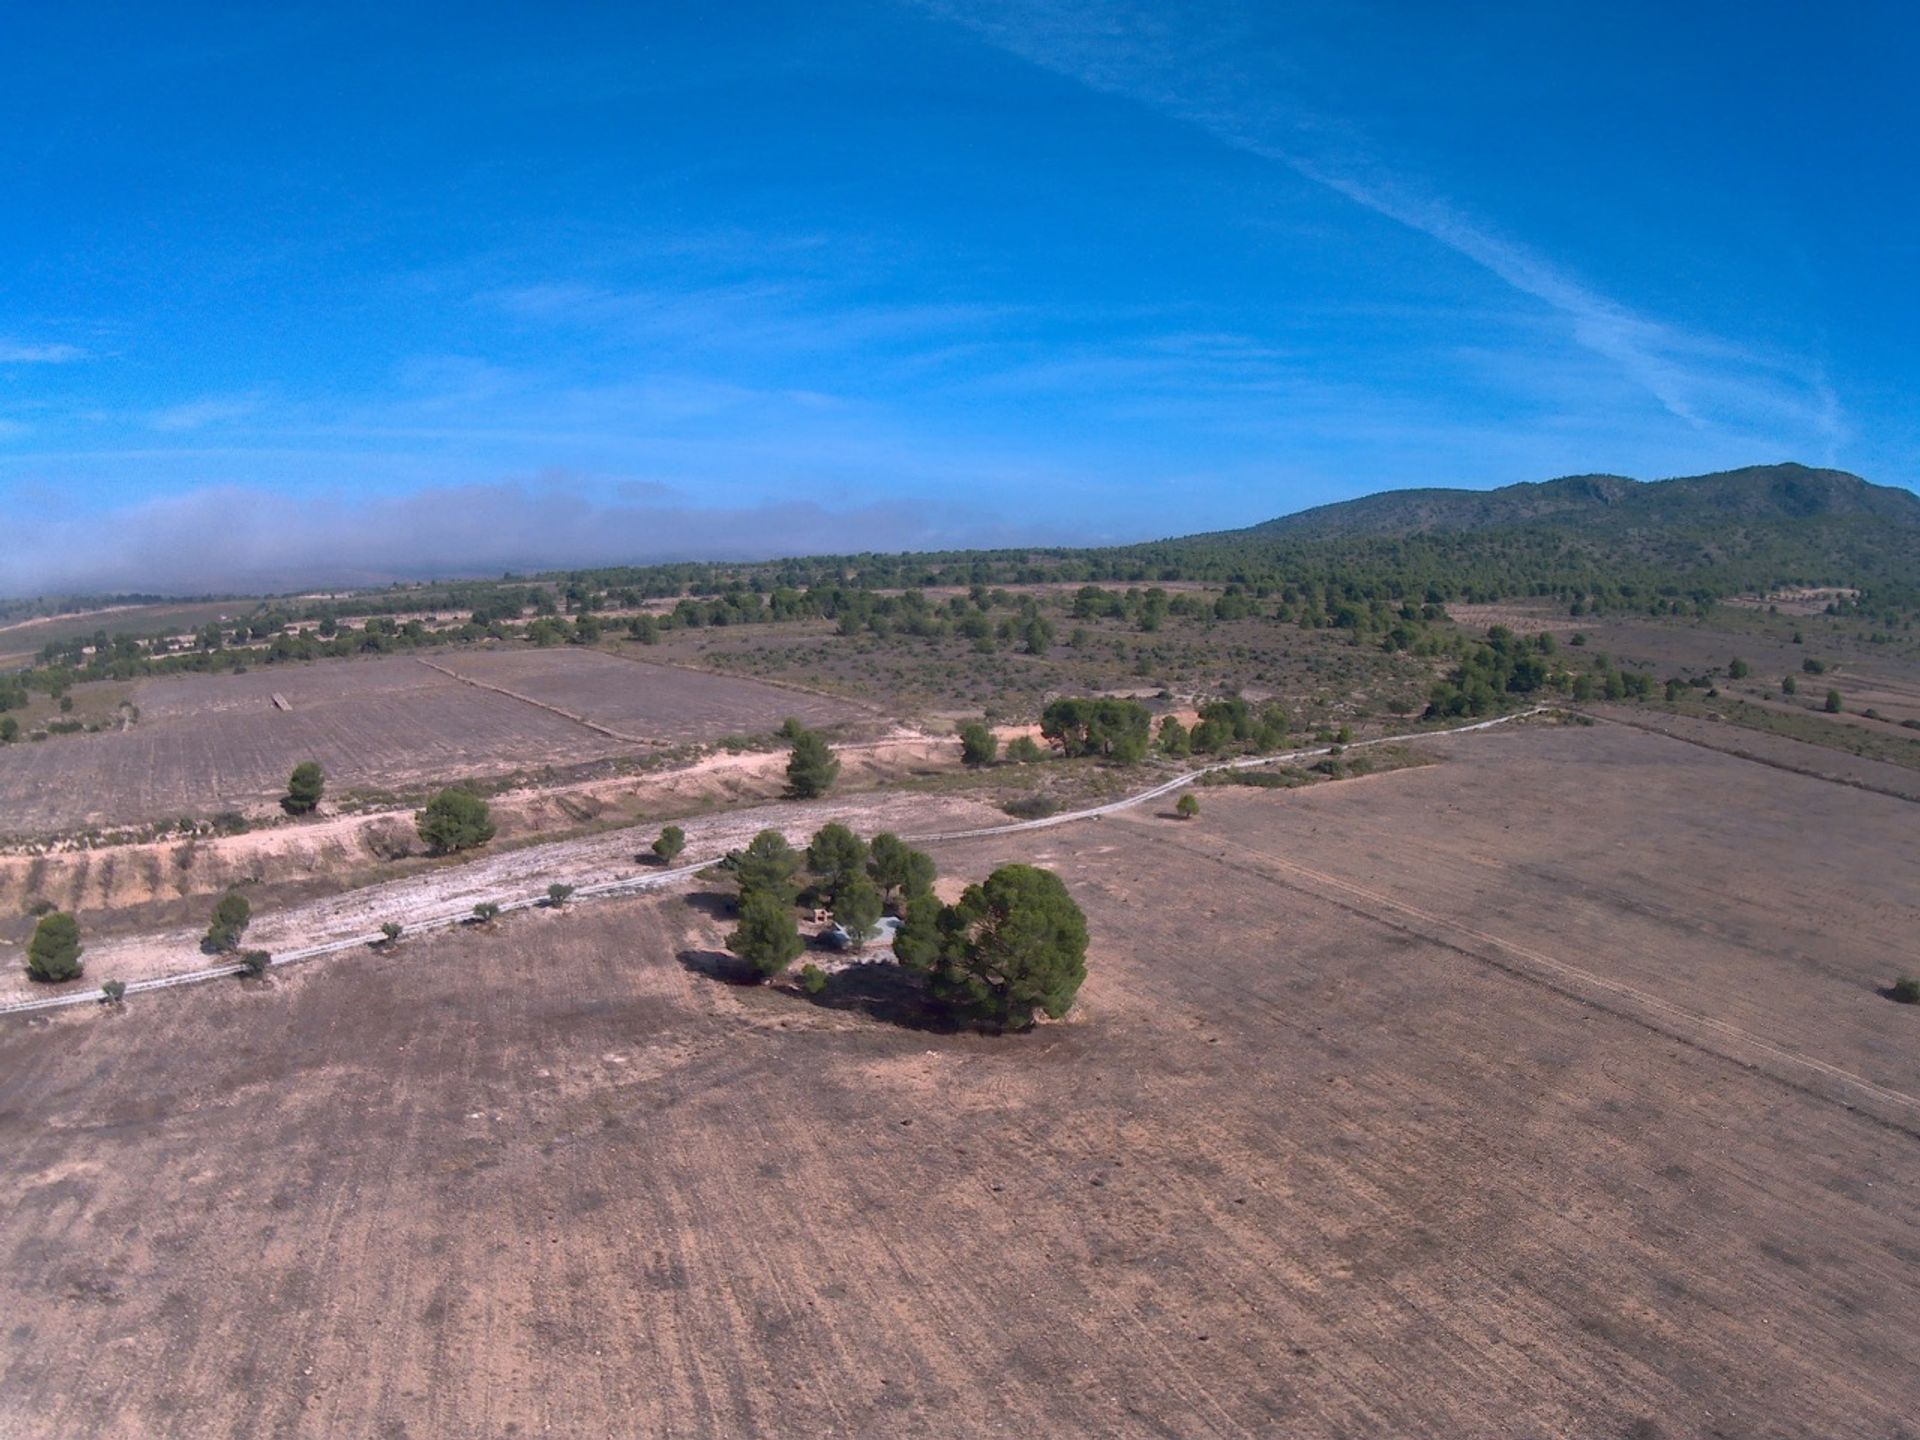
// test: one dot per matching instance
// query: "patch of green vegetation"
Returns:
(1805, 726)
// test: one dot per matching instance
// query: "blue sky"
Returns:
(369, 291)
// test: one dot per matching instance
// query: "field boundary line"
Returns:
(593, 725)
(793, 685)
(1572, 980)
(639, 884)
(1771, 764)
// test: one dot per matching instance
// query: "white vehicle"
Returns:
(881, 934)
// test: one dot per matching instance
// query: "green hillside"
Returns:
(1611, 504)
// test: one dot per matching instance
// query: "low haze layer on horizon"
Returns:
(373, 292)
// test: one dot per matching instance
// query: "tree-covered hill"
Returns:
(1699, 536)
(1609, 505)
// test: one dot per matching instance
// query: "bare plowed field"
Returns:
(1303, 1163)
(208, 743)
(661, 703)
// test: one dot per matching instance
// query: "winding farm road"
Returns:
(661, 879)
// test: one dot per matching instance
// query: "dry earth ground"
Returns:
(143, 907)
(207, 743)
(1882, 677)
(663, 704)
(1302, 1163)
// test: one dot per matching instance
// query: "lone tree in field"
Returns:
(1833, 702)
(978, 744)
(454, 820)
(254, 963)
(768, 939)
(391, 931)
(113, 992)
(1906, 990)
(230, 920)
(857, 908)
(901, 872)
(836, 855)
(1187, 807)
(671, 842)
(767, 866)
(558, 895)
(53, 954)
(1014, 945)
(811, 768)
(486, 912)
(304, 788)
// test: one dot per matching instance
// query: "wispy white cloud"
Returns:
(23, 352)
(1198, 73)
(785, 316)
(199, 414)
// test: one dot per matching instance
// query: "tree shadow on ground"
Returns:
(1893, 993)
(881, 990)
(716, 903)
(721, 965)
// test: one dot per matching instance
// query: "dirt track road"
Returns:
(596, 866)
(1343, 1169)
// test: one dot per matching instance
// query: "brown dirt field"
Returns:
(208, 743)
(1299, 1164)
(155, 940)
(667, 704)
(143, 907)
(1780, 751)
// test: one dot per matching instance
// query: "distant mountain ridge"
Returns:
(1762, 495)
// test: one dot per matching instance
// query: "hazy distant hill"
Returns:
(1608, 504)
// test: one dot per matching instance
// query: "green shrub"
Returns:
(811, 767)
(1012, 946)
(813, 978)
(857, 908)
(112, 992)
(767, 937)
(1906, 990)
(1188, 806)
(486, 912)
(391, 931)
(254, 963)
(1031, 807)
(304, 788)
(454, 820)
(558, 895)
(53, 954)
(978, 744)
(898, 869)
(671, 842)
(230, 920)
(1022, 751)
